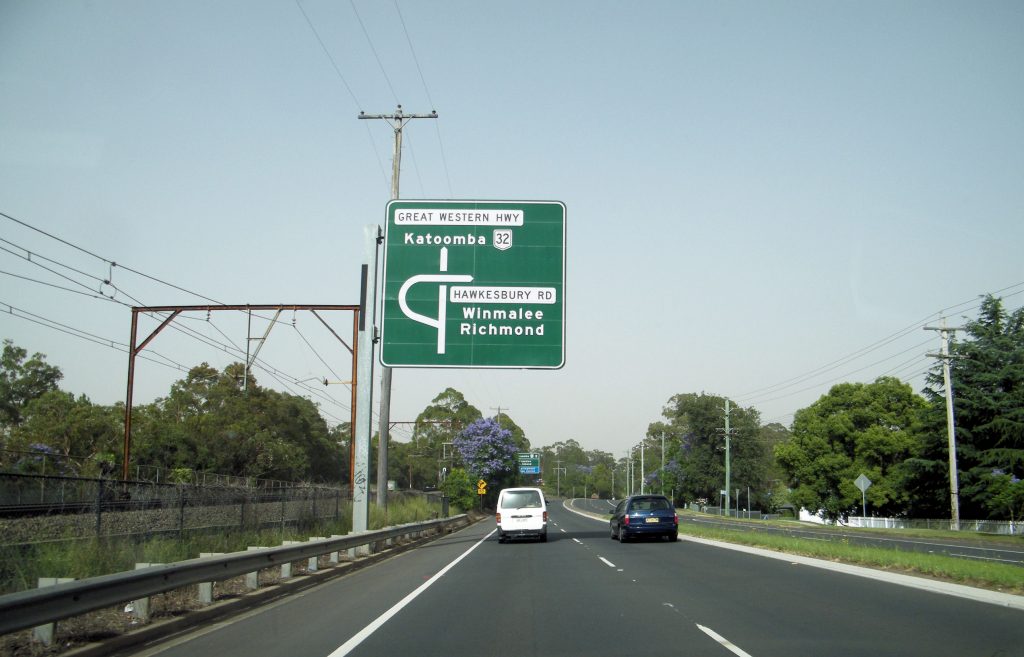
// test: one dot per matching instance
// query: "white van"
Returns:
(522, 512)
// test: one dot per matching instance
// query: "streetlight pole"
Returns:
(642, 474)
(662, 477)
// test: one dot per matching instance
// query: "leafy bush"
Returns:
(459, 488)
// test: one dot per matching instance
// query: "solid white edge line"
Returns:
(365, 633)
(725, 643)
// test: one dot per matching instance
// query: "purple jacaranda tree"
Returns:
(486, 449)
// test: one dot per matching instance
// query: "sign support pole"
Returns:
(364, 392)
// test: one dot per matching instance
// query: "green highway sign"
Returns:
(529, 462)
(474, 284)
(529, 458)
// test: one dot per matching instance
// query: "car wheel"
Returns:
(673, 537)
(622, 536)
(544, 537)
(611, 530)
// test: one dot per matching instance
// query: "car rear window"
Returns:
(653, 504)
(529, 499)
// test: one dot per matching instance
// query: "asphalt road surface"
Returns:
(584, 594)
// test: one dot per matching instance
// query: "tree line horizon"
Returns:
(882, 429)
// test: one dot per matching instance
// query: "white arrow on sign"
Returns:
(442, 300)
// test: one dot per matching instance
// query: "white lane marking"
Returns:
(974, 556)
(578, 541)
(606, 562)
(365, 633)
(563, 531)
(725, 643)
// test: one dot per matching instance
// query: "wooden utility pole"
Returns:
(397, 121)
(728, 466)
(954, 485)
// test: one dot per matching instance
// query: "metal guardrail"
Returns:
(27, 609)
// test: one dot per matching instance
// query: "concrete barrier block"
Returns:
(44, 633)
(140, 607)
(286, 568)
(314, 562)
(206, 588)
(252, 580)
(336, 556)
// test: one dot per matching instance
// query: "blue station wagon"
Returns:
(644, 515)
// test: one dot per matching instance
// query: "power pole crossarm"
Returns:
(399, 115)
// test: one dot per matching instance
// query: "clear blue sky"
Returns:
(754, 190)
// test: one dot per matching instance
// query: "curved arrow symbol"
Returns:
(442, 301)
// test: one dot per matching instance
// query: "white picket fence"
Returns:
(1002, 527)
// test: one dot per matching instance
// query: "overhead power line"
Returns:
(426, 90)
(229, 347)
(327, 52)
(369, 42)
(756, 395)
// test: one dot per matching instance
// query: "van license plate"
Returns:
(651, 520)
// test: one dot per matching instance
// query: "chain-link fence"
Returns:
(35, 508)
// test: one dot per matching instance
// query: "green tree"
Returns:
(1006, 498)
(987, 371)
(695, 446)
(855, 429)
(516, 432)
(430, 456)
(85, 436)
(209, 422)
(776, 493)
(460, 489)
(22, 379)
(568, 456)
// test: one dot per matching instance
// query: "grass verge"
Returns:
(993, 576)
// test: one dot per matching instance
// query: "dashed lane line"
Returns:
(725, 643)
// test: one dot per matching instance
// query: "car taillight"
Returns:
(675, 518)
(497, 517)
(545, 516)
(625, 520)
